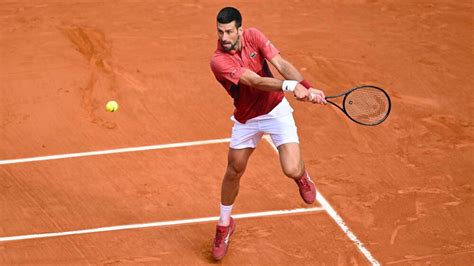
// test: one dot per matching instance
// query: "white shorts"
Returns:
(281, 129)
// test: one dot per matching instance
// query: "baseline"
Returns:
(113, 151)
(159, 224)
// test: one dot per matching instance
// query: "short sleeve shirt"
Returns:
(228, 67)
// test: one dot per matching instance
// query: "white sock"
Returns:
(224, 218)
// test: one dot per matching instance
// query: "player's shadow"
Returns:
(205, 253)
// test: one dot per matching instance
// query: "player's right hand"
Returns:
(301, 93)
(309, 95)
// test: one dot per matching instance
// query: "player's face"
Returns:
(229, 35)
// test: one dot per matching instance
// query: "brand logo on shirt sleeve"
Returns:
(253, 54)
(268, 43)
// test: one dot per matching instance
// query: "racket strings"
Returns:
(367, 105)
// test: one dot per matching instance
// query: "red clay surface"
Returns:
(404, 187)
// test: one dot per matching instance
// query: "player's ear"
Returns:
(240, 30)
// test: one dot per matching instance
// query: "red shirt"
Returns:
(228, 67)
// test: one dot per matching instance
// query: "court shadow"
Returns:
(205, 253)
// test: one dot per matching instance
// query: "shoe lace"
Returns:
(220, 235)
(303, 182)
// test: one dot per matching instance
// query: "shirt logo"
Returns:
(253, 54)
(268, 43)
(234, 71)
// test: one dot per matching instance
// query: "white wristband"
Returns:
(289, 85)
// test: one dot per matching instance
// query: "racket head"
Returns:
(367, 105)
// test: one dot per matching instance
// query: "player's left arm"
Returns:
(288, 71)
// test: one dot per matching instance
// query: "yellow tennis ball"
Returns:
(111, 106)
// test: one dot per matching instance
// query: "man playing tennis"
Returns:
(240, 64)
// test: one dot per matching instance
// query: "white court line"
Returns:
(131, 149)
(158, 224)
(337, 219)
(326, 206)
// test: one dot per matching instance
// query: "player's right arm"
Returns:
(253, 80)
(225, 68)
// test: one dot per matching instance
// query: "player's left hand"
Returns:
(317, 96)
(301, 93)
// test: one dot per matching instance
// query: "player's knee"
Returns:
(294, 171)
(234, 171)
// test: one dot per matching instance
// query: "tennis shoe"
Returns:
(221, 242)
(307, 188)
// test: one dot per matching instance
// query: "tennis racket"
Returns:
(366, 105)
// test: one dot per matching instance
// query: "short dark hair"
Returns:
(229, 14)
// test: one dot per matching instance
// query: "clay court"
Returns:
(79, 185)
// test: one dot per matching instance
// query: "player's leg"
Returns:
(293, 167)
(243, 142)
(236, 163)
(290, 160)
(284, 135)
(245, 138)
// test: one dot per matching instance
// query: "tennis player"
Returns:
(240, 64)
